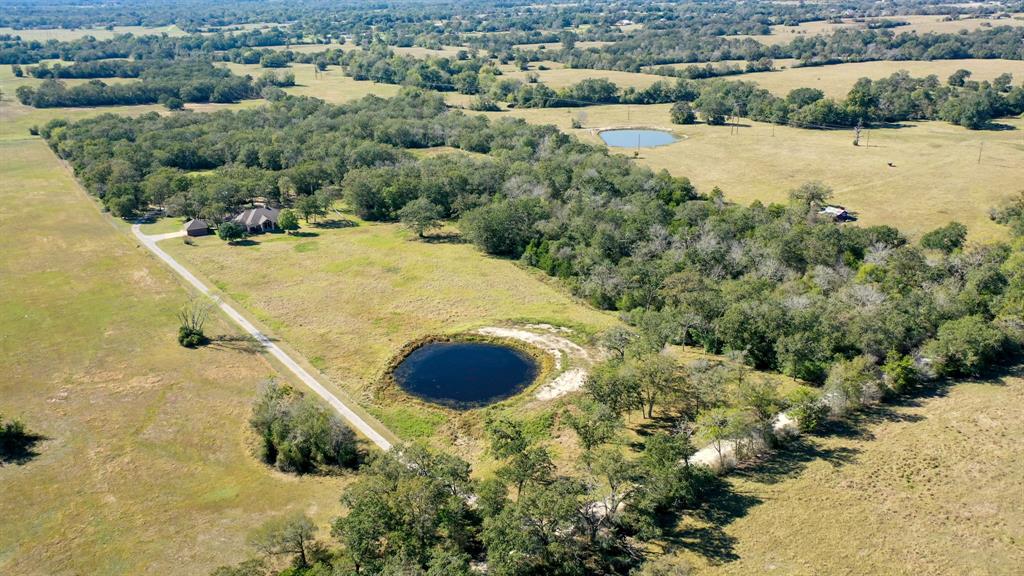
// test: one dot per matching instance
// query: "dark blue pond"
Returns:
(636, 138)
(465, 374)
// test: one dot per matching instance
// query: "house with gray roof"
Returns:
(258, 219)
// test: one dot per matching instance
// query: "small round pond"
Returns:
(465, 374)
(636, 138)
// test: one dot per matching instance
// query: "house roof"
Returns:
(257, 216)
(196, 224)
(834, 210)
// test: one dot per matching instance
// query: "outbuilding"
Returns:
(197, 227)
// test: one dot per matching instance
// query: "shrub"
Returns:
(900, 373)
(965, 346)
(947, 238)
(852, 383)
(288, 221)
(807, 408)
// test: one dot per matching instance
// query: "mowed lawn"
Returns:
(936, 175)
(145, 467)
(348, 298)
(932, 487)
(836, 80)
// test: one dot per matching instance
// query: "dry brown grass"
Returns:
(935, 486)
(837, 79)
(145, 466)
(920, 24)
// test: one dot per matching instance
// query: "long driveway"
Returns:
(347, 413)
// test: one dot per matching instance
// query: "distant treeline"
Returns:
(163, 82)
(15, 51)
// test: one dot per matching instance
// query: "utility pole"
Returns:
(980, 148)
(856, 133)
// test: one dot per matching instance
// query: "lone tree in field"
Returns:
(812, 195)
(292, 536)
(682, 113)
(192, 317)
(288, 221)
(230, 232)
(420, 215)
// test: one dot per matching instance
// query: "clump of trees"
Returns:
(297, 434)
(159, 81)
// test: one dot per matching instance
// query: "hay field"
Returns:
(145, 466)
(65, 34)
(837, 79)
(934, 486)
(936, 177)
(920, 24)
(331, 85)
(562, 77)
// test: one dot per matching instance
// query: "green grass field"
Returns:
(937, 177)
(146, 465)
(932, 487)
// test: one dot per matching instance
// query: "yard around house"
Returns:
(936, 177)
(146, 463)
(349, 295)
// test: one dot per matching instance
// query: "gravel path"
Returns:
(354, 419)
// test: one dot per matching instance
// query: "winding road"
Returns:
(353, 418)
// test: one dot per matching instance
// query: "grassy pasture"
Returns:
(920, 24)
(145, 466)
(562, 77)
(331, 85)
(936, 178)
(355, 293)
(349, 297)
(837, 79)
(67, 35)
(933, 486)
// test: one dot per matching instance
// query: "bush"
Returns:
(947, 238)
(807, 408)
(900, 373)
(965, 346)
(190, 338)
(852, 383)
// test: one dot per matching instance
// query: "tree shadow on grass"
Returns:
(336, 223)
(720, 506)
(791, 459)
(238, 343)
(444, 238)
(245, 242)
(301, 234)
(18, 448)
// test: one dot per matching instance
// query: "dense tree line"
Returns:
(178, 81)
(13, 50)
